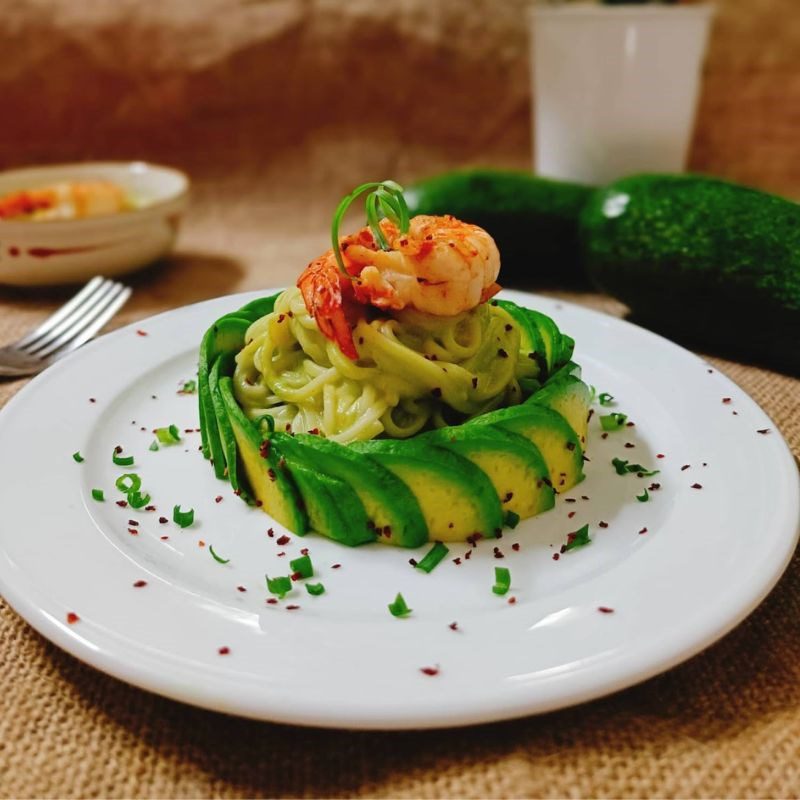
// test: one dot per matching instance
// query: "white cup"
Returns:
(615, 88)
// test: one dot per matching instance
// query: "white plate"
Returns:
(709, 555)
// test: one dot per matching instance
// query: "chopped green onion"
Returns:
(121, 461)
(217, 558)
(384, 198)
(511, 519)
(78, 457)
(432, 557)
(169, 435)
(153, 446)
(315, 588)
(138, 500)
(623, 468)
(182, 518)
(129, 482)
(399, 608)
(605, 399)
(643, 498)
(266, 419)
(502, 580)
(189, 387)
(302, 565)
(577, 539)
(613, 421)
(620, 465)
(97, 494)
(279, 586)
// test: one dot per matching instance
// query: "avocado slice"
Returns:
(531, 343)
(550, 432)
(512, 463)
(223, 366)
(390, 505)
(333, 507)
(269, 484)
(571, 398)
(456, 497)
(550, 334)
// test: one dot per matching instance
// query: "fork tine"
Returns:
(67, 322)
(91, 329)
(62, 312)
(85, 321)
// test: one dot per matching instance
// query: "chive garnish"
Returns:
(605, 399)
(623, 468)
(384, 198)
(502, 580)
(217, 558)
(315, 588)
(119, 460)
(182, 518)
(129, 482)
(613, 421)
(303, 566)
(399, 608)
(78, 457)
(97, 494)
(511, 519)
(279, 586)
(432, 557)
(577, 539)
(168, 435)
(266, 419)
(138, 500)
(153, 446)
(189, 387)
(644, 497)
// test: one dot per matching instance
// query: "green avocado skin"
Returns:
(534, 221)
(709, 263)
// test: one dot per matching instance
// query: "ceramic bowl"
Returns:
(69, 251)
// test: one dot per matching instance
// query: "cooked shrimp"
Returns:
(440, 266)
(66, 200)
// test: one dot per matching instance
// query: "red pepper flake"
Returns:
(710, 371)
(468, 555)
(498, 553)
(133, 522)
(453, 626)
(602, 524)
(429, 670)
(122, 503)
(241, 589)
(282, 553)
(296, 576)
(584, 497)
(512, 600)
(218, 498)
(281, 317)
(570, 515)
(642, 531)
(685, 467)
(474, 383)
(133, 532)
(605, 610)
(387, 531)
(263, 448)
(336, 566)
(149, 508)
(413, 562)
(92, 399)
(570, 500)
(630, 424)
(507, 497)
(163, 520)
(139, 584)
(660, 455)
(457, 561)
(282, 540)
(654, 487)
(604, 435)
(515, 546)
(314, 431)
(270, 533)
(304, 551)
(735, 413)
(271, 473)
(763, 430)
(164, 538)
(726, 400)
(556, 556)
(224, 651)
(629, 444)
(259, 503)
(272, 601)
(292, 607)
(502, 353)
(140, 332)
(474, 538)
(696, 486)
(436, 391)
(72, 618)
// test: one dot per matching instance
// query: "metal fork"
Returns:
(73, 324)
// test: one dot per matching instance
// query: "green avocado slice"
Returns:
(223, 367)
(531, 343)
(457, 498)
(512, 463)
(571, 398)
(333, 507)
(268, 483)
(391, 507)
(550, 432)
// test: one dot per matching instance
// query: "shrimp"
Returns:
(66, 200)
(441, 266)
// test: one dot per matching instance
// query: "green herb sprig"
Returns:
(386, 199)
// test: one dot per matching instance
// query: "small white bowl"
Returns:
(68, 251)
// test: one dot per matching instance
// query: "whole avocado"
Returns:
(709, 263)
(533, 220)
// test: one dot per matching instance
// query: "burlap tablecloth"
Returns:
(277, 108)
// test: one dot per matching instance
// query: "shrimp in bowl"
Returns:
(436, 265)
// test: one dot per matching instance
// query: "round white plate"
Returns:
(708, 555)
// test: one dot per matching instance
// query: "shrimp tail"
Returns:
(490, 291)
(329, 298)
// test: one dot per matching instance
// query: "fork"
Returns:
(73, 324)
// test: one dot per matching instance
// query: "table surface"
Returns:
(726, 723)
